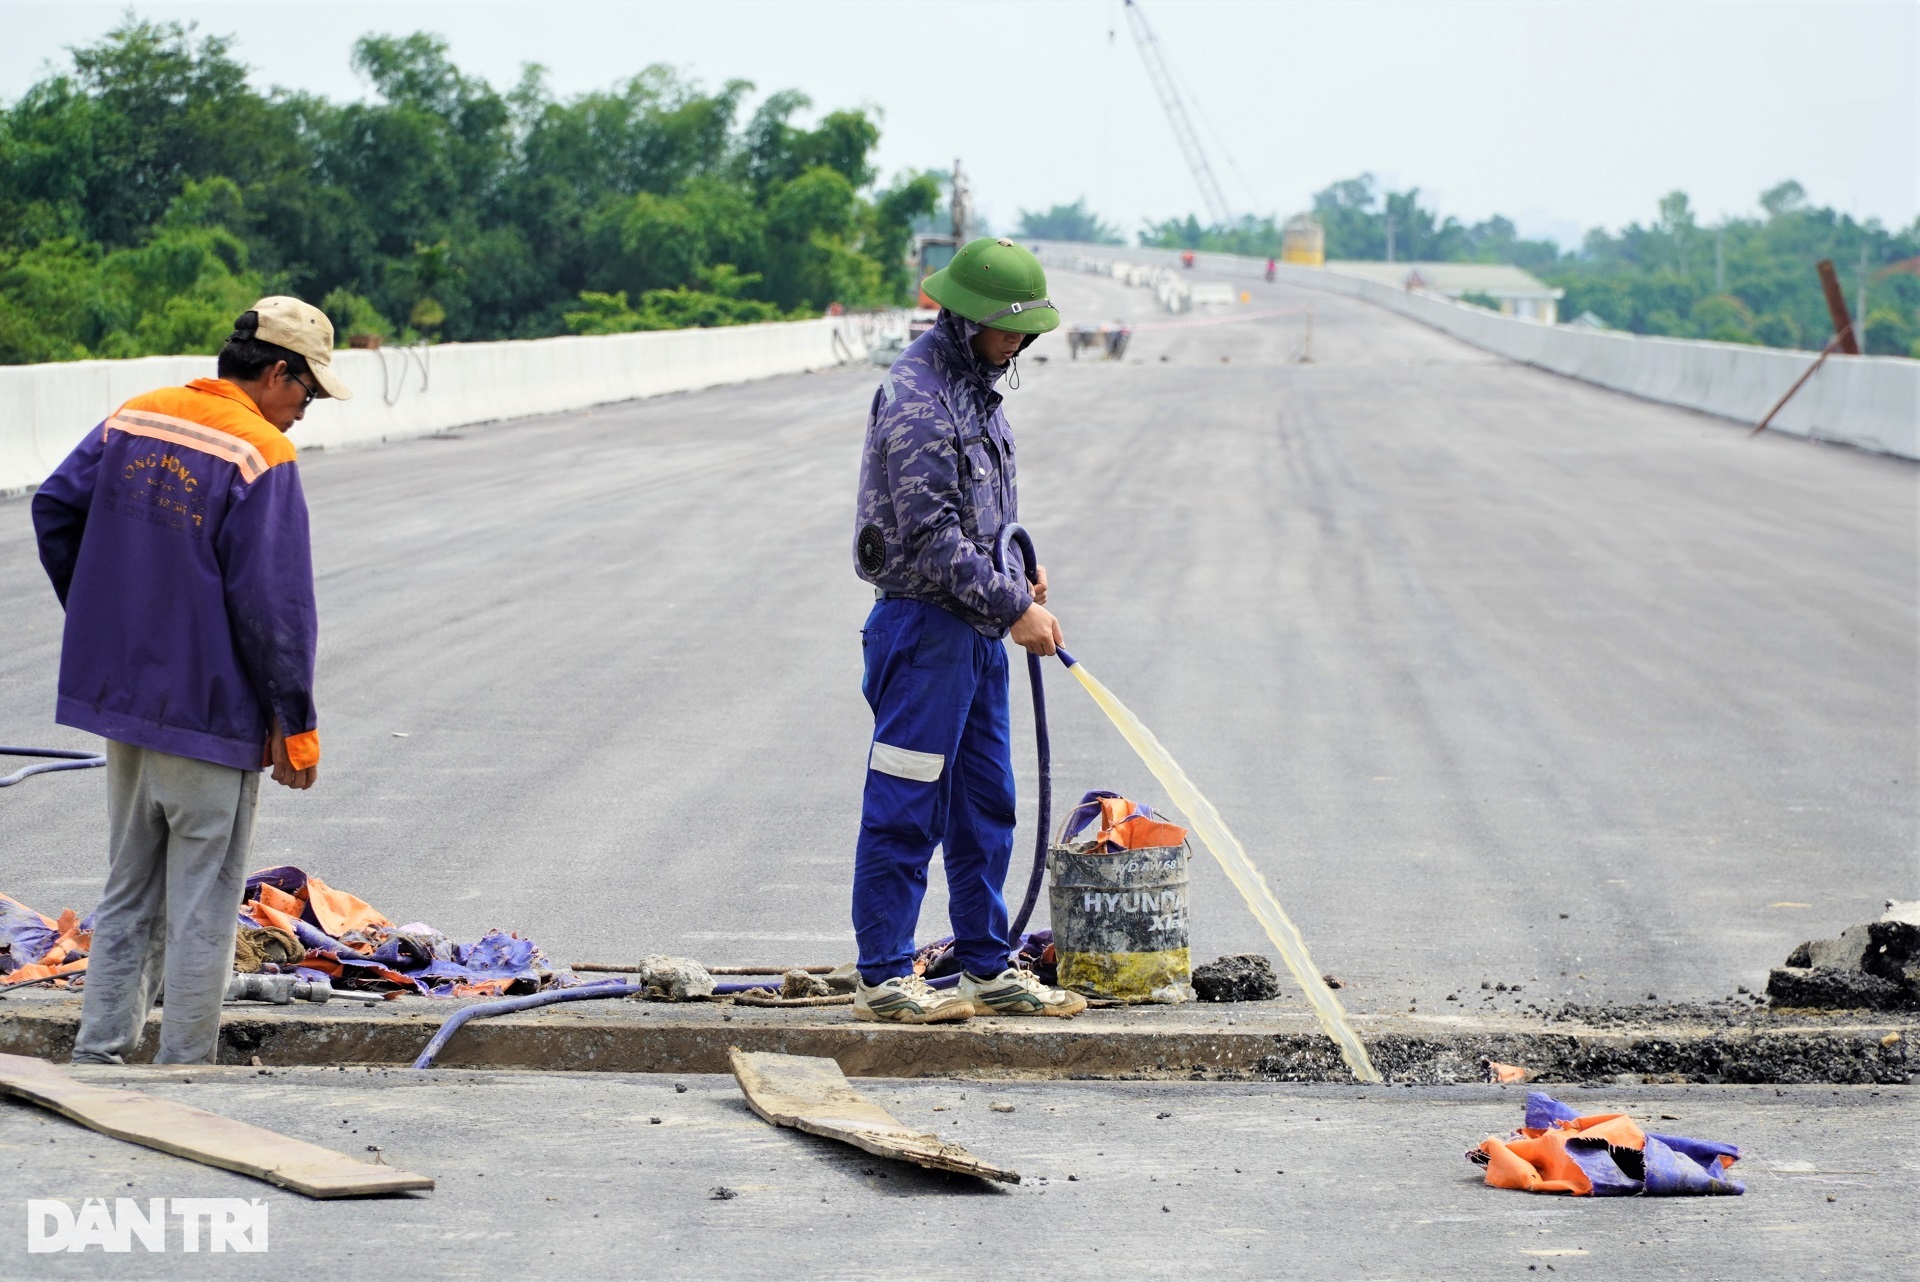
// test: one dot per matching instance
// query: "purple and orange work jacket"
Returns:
(176, 537)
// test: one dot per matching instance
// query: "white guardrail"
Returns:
(404, 392)
(1872, 402)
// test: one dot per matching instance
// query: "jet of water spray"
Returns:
(1232, 857)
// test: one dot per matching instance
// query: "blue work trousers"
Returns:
(940, 772)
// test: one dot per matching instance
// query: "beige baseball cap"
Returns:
(303, 328)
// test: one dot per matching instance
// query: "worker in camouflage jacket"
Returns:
(937, 487)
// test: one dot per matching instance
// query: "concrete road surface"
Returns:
(607, 1175)
(1501, 677)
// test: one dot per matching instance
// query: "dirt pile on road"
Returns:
(1240, 977)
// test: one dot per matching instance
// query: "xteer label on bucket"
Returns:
(1120, 922)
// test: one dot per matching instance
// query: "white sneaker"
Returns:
(909, 999)
(1017, 992)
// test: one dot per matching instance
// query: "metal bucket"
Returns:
(1120, 923)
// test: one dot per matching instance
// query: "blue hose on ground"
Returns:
(1010, 537)
(486, 1010)
(68, 759)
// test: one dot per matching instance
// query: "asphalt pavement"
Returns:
(1499, 676)
(606, 1175)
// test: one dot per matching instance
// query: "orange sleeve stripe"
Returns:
(303, 749)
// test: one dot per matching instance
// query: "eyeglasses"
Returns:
(306, 387)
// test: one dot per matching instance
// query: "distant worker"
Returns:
(176, 537)
(1273, 269)
(937, 486)
(1186, 258)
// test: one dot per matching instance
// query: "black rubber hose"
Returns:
(66, 759)
(506, 1006)
(1010, 537)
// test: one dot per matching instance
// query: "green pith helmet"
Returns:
(996, 283)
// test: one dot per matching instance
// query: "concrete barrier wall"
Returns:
(402, 392)
(1872, 402)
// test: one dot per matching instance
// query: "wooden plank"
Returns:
(811, 1094)
(200, 1136)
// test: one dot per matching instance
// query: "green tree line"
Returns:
(1073, 222)
(148, 194)
(1742, 280)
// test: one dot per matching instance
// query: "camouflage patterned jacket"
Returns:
(937, 482)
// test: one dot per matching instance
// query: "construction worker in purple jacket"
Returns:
(937, 486)
(175, 535)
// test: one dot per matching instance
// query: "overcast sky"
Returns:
(1561, 115)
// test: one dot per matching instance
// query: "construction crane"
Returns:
(1162, 76)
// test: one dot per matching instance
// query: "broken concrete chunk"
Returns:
(1873, 965)
(675, 979)
(1893, 952)
(844, 978)
(1239, 977)
(1844, 953)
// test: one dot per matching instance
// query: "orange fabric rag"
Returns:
(339, 912)
(1535, 1160)
(265, 914)
(71, 940)
(44, 919)
(1138, 832)
(328, 966)
(1617, 1129)
(279, 900)
(1536, 1165)
(40, 970)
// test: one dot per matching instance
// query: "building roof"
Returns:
(1496, 280)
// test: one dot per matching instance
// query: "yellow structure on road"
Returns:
(1303, 241)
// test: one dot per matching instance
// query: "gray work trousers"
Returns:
(178, 831)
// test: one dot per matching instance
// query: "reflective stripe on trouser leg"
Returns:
(905, 763)
(924, 670)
